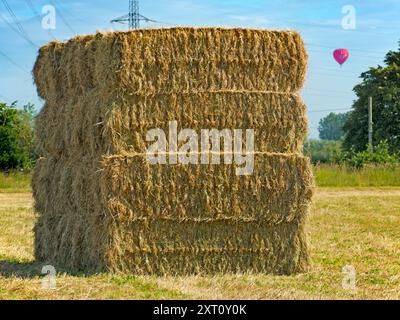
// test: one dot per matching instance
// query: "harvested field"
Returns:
(358, 229)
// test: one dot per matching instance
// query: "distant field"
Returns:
(352, 226)
(325, 176)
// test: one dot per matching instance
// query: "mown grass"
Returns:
(349, 225)
(325, 176)
(357, 227)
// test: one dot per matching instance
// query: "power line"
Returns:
(13, 62)
(321, 26)
(352, 54)
(312, 73)
(323, 95)
(18, 32)
(20, 28)
(332, 72)
(63, 18)
(358, 56)
(333, 92)
(10, 25)
(332, 110)
(338, 70)
(164, 22)
(353, 49)
(14, 17)
(68, 14)
(38, 15)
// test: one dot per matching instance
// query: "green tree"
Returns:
(383, 85)
(27, 130)
(331, 127)
(16, 136)
(322, 151)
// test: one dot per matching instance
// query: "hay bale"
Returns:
(94, 126)
(87, 207)
(185, 216)
(177, 60)
(277, 192)
(102, 206)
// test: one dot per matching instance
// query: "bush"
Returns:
(378, 155)
(16, 136)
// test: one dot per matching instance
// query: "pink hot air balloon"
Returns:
(341, 55)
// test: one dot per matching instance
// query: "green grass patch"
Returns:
(15, 181)
(337, 176)
(147, 288)
(325, 176)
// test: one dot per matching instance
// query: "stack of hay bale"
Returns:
(102, 206)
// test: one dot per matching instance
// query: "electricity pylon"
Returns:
(133, 17)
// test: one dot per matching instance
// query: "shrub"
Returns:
(16, 136)
(376, 155)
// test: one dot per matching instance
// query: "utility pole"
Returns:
(133, 17)
(370, 123)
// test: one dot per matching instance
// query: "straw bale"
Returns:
(278, 191)
(101, 206)
(175, 60)
(115, 215)
(213, 247)
(99, 127)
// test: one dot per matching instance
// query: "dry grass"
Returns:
(356, 227)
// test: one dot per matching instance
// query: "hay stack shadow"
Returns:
(32, 269)
(11, 269)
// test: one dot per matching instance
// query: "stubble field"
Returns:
(357, 227)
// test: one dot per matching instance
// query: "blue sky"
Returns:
(328, 86)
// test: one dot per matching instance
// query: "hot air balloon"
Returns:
(341, 55)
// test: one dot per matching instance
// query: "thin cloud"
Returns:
(249, 18)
